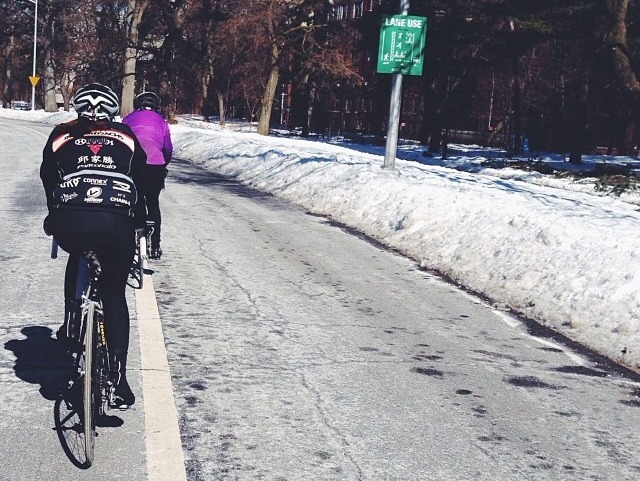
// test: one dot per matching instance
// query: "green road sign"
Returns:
(402, 40)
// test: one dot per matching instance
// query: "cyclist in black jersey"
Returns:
(92, 170)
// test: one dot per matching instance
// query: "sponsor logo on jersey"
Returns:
(88, 180)
(95, 148)
(120, 200)
(122, 186)
(113, 134)
(93, 195)
(70, 183)
(99, 166)
(83, 141)
(68, 197)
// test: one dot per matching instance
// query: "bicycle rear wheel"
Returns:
(91, 388)
(142, 254)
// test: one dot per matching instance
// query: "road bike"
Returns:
(143, 246)
(91, 374)
(136, 275)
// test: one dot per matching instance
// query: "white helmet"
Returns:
(96, 101)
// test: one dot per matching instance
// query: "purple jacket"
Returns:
(153, 133)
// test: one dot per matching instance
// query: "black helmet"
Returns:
(147, 101)
(96, 101)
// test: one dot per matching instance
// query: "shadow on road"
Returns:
(41, 359)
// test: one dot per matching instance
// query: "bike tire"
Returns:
(142, 254)
(91, 393)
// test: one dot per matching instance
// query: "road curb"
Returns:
(165, 459)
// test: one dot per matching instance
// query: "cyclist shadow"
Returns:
(41, 359)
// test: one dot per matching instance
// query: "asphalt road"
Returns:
(300, 351)
(33, 367)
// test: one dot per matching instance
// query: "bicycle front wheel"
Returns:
(91, 393)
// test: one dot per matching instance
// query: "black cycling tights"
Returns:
(156, 175)
(112, 237)
(152, 198)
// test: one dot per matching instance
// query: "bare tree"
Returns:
(13, 27)
(616, 40)
(135, 11)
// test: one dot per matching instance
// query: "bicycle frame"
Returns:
(136, 274)
(92, 359)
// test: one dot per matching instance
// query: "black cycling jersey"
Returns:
(96, 166)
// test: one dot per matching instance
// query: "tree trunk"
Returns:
(435, 138)
(7, 93)
(311, 100)
(201, 100)
(274, 75)
(269, 93)
(66, 88)
(175, 27)
(49, 81)
(579, 123)
(221, 109)
(49, 74)
(308, 109)
(629, 131)
(615, 38)
(135, 11)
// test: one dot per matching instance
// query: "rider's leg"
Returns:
(153, 214)
(115, 270)
(156, 177)
(61, 225)
(69, 331)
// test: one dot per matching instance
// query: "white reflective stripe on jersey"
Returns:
(60, 141)
(99, 173)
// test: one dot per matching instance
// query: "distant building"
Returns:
(349, 9)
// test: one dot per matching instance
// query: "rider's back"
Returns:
(92, 165)
(153, 133)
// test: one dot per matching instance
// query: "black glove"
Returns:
(46, 226)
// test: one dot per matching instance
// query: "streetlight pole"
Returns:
(35, 36)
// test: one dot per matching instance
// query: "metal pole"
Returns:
(394, 121)
(391, 146)
(35, 33)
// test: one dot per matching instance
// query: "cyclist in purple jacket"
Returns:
(152, 131)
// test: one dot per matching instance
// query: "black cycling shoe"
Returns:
(155, 253)
(123, 396)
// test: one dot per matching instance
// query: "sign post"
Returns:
(401, 51)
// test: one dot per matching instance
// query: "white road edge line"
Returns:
(165, 459)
